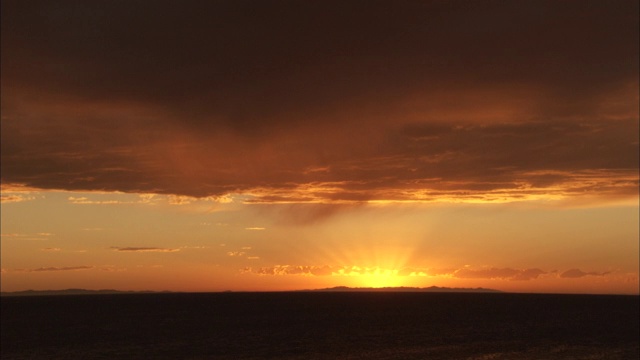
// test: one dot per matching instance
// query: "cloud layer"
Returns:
(462, 273)
(328, 101)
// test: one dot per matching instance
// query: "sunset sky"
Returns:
(279, 145)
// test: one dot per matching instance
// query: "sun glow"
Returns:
(381, 280)
(373, 277)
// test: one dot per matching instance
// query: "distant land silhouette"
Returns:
(75, 292)
(333, 289)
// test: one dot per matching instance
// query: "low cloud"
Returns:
(577, 273)
(529, 274)
(12, 198)
(464, 273)
(495, 273)
(498, 273)
(321, 270)
(143, 249)
(292, 270)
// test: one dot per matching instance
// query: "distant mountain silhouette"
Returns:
(404, 289)
(333, 289)
(73, 292)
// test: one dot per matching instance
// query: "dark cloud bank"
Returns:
(302, 101)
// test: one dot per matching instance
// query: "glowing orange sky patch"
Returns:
(389, 153)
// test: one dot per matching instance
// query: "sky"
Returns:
(281, 145)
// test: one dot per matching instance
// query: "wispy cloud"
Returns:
(18, 236)
(143, 249)
(53, 249)
(67, 268)
(255, 228)
(112, 268)
(108, 268)
(147, 199)
(13, 198)
(86, 201)
(243, 252)
(12, 235)
(235, 253)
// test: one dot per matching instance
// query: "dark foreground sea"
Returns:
(316, 325)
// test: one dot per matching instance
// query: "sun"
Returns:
(372, 265)
(379, 278)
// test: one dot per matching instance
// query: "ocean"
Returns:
(320, 325)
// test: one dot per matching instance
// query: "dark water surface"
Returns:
(321, 326)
